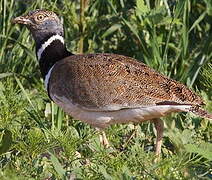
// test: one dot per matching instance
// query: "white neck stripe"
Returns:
(46, 81)
(47, 43)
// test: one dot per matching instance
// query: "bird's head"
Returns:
(41, 23)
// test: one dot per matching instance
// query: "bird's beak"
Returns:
(21, 20)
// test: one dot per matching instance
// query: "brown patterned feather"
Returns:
(200, 112)
(110, 82)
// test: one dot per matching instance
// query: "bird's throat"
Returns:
(50, 51)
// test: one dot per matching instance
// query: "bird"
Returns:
(102, 89)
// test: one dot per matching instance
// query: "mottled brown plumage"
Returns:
(97, 81)
(105, 89)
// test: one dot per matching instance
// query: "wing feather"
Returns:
(112, 82)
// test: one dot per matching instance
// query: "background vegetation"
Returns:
(39, 141)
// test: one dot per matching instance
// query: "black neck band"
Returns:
(54, 52)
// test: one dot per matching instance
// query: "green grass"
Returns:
(39, 141)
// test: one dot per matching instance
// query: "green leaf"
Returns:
(3, 75)
(24, 92)
(204, 149)
(196, 23)
(159, 15)
(103, 171)
(57, 166)
(141, 7)
(209, 7)
(111, 30)
(6, 141)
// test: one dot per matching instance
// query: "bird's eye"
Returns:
(40, 17)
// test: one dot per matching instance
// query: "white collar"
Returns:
(47, 43)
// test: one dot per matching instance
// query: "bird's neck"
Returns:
(50, 50)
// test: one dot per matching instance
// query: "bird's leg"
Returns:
(103, 139)
(159, 131)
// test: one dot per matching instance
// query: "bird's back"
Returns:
(107, 82)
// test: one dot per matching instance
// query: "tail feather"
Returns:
(200, 112)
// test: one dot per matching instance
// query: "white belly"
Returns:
(103, 119)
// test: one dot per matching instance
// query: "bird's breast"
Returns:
(103, 119)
